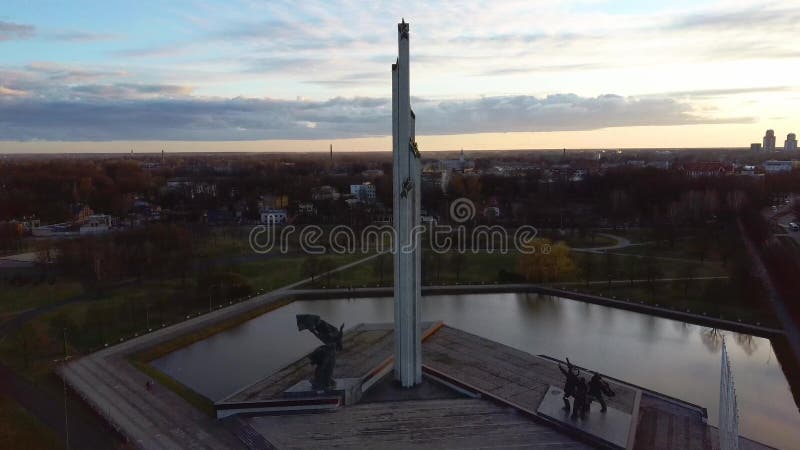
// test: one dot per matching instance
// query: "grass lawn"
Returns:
(221, 242)
(234, 241)
(20, 298)
(270, 274)
(486, 268)
(627, 266)
(476, 268)
(20, 430)
(575, 240)
(638, 235)
(684, 248)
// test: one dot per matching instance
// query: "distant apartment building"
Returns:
(96, 224)
(272, 201)
(459, 165)
(755, 147)
(706, 169)
(769, 141)
(659, 164)
(324, 193)
(80, 212)
(191, 188)
(275, 216)
(364, 192)
(749, 170)
(773, 166)
(307, 209)
(372, 173)
(791, 143)
(491, 212)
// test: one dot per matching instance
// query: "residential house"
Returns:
(274, 216)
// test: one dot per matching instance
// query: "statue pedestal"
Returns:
(349, 389)
(611, 427)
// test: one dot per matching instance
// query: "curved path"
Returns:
(622, 242)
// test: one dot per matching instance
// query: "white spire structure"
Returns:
(728, 410)
(407, 178)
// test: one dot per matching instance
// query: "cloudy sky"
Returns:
(289, 75)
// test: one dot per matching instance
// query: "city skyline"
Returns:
(207, 76)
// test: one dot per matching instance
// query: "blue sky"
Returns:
(485, 74)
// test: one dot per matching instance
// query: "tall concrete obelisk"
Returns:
(406, 171)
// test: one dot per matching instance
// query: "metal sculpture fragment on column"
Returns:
(324, 356)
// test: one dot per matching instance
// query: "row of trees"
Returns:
(47, 189)
(156, 251)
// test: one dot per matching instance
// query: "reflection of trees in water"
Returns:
(684, 328)
(650, 328)
(540, 305)
(712, 339)
(746, 342)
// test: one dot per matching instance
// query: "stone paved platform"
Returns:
(429, 424)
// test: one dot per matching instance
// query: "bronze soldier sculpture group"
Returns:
(582, 392)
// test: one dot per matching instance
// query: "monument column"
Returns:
(406, 175)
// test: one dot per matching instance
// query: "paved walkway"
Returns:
(622, 242)
(419, 424)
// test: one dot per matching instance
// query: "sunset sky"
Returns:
(288, 75)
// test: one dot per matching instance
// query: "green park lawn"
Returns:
(14, 299)
(486, 267)
(270, 274)
(227, 241)
(690, 247)
(576, 240)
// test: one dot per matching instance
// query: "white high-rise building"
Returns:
(769, 141)
(791, 143)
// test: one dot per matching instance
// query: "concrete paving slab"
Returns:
(613, 426)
